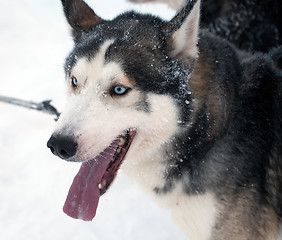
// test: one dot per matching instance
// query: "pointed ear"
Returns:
(80, 17)
(182, 31)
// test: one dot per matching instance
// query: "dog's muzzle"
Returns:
(62, 146)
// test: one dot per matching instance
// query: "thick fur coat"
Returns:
(192, 119)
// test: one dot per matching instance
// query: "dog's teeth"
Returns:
(122, 141)
(100, 186)
(118, 150)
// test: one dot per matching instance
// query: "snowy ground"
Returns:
(33, 184)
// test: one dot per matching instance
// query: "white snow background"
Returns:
(34, 40)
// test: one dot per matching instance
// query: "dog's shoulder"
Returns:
(251, 78)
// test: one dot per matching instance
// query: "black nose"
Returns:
(62, 146)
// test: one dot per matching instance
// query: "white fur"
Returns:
(195, 215)
(145, 155)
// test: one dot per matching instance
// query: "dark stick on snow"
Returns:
(44, 106)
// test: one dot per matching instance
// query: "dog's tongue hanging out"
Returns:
(94, 177)
(84, 193)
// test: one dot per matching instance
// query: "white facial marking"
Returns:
(95, 119)
(154, 129)
(94, 70)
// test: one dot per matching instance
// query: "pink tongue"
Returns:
(83, 196)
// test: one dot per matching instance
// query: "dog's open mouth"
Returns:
(95, 177)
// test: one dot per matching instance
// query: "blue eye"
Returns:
(74, 82)
(120, 90)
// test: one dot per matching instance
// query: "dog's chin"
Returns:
(95, 177)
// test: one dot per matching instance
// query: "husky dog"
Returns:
(195, 122)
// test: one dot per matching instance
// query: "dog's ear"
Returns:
(80, 17)
(182, 31)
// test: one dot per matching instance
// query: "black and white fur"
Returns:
(207, 118)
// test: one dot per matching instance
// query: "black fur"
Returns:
(251, 25)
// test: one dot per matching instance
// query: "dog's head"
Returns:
(126, 78)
